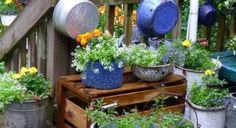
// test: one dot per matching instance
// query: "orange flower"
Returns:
(121, 20)
(97, 33)
(84, 42)
(102, 9)
(134, 17)
(118, 11)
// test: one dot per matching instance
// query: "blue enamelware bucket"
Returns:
(157, 17)
(207, 15)
(95, 76)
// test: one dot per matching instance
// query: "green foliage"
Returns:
(104, 49)
(35, 84)
(2, 69)
(194, 57)
(140, 55)
(7, 8)
(231, 44)
(212, 80)
(207, 97)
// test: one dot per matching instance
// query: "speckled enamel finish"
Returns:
(152, 74)
(104, 78)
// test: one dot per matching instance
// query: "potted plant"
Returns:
(191, 60)
(208, 101)
(108, 119)
(231, 45)
(8, 10)
(24, 98)
(101, 61)
(149, 65)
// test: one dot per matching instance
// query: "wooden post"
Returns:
(128, 23)
(208, 35)
(177, 30)
(15, 60)
(32, 50)
(110, 18)
(22, 54)
(234, 30)
(221, 32)
(41, 49)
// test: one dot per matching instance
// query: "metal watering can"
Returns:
(73, 17)
(157, 17)
(207, 15)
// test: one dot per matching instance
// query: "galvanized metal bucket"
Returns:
(231, 112)
(75, 17)
(29, 114)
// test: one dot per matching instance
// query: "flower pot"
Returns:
(26, 114)
(96, 76)
(212, 117)
(7, 19)
(152, 74)
(231, 112)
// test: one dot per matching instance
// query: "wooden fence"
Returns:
(31, 39)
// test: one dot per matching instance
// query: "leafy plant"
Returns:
(25, 85)
(104, 49)
(192, 56)
(2, 69)
(210, 79)
(8, 7)
(231, 44)
(141, 55)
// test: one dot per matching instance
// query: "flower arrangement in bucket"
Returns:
(208, 100)
(8, 10)
(192, 59)
(149, 65)
(100, 59)
(22, 93)
(157, 119)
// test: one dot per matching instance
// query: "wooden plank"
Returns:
(129, 87)
(143, 96)
(24, 23)
(234, 27)
(15, 60)
(42, 48)
(128, 23)
(61, 102)
(32, 50)
(177, 30)
(22, 54)
(208, 35)
(221, 32)
(76, 115)
(110, 18)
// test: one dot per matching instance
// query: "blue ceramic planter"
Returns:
(207, 15)
(157, 17)
(96, 76)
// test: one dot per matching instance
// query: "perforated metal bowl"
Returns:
(73, 17)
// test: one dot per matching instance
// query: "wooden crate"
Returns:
(133, 93)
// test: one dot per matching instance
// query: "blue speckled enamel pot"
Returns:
(95, 76)
(157, 17)
(207, 15)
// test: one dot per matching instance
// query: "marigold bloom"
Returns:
(84, 42)
(118, 11)
(8, 1)
(187, 43)
(121, 20)
(23, 70)
(97, 32)
(102, 9)
(209, 72)
(33, 70)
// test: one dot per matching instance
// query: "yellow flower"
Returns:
(187, 43)
(83, 41)
(97, 32)
(209, 72)
(8, 1)
(16, 76)
(102, 9)
(33, 70)
(23, 70)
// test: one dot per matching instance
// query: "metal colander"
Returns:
(75, 17)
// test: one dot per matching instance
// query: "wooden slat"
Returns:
(24, 23)
(177, 30)
(110, 18)
(128, 23)
(32, 50)
(221, 32)
(234, 27)
(208, 35)
(22, 54)
(76, 115)
(128, 87)
(15, 60)
(41, 49)
(143, 96)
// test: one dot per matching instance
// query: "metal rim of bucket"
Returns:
(217, 62)
(157, 66)
(201, 108)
